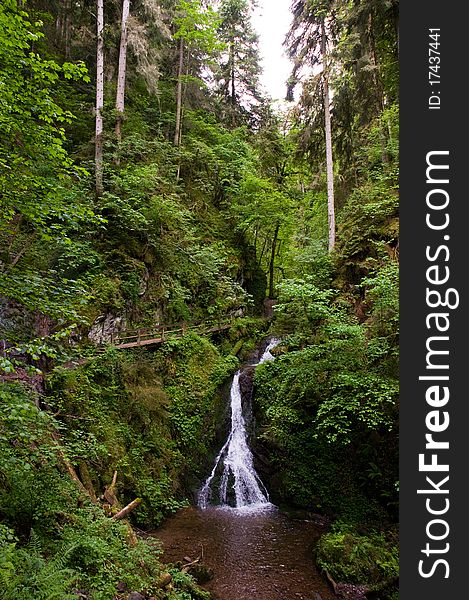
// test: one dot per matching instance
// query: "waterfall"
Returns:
(238, 480)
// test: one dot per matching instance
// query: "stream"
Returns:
(262, 555)
(255, 551)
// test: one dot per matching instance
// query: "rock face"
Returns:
(245, 383)
(106, 329)
(143, 285)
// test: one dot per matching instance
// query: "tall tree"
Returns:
(177, 128)
(328, 137)
(238, 75)
(121, 72)
(196, 25)
(313, 23)
(99, 99)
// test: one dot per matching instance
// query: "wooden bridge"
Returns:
(161, 333)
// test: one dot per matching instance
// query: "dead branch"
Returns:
(128, 509)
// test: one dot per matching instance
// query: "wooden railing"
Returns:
(160, 333)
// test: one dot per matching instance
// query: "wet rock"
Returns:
(246, 386)
(201, 573)
(245, 382)
(350, 591)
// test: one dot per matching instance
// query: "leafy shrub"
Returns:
(358, 558)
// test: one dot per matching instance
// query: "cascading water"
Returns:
(234, 466)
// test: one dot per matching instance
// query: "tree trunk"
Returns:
(328, 134)
(272, 261)
(87, 482)
(233, 84)
(121, 72)
(68, 29)
(232, 74)
(378, 85)
(177, 133)
(63, 26)
(99, 100)
(68, 465)
(127, 509)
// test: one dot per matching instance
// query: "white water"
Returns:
(235, 461)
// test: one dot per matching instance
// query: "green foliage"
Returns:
(239, 69)
(194, 371)
(382, 290)
(113, 413)
(31, 148)
(101, 554)
(7, 554)
(369, 217)
(302, 305)
(185, 583)
(32, 577)
(197, 24)
(351, 557)
(71, 542)
(329, 409)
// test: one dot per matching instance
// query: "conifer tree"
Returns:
(307, 41)
(238, 76)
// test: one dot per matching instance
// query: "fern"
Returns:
(36, 578)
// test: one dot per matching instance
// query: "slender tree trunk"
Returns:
(177, 133)
(99, 100)
(328, 134)
(232, 74)
(378, 84)
(68, 24)
(233, 84)
(272, 261)
(63, 26)
(120, 95)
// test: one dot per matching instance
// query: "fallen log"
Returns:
(68, 465)
(127, 509)
(110, 492)
(188, 564)
(86, 479)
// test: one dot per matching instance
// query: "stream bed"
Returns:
(255, 551)
(255, 554)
